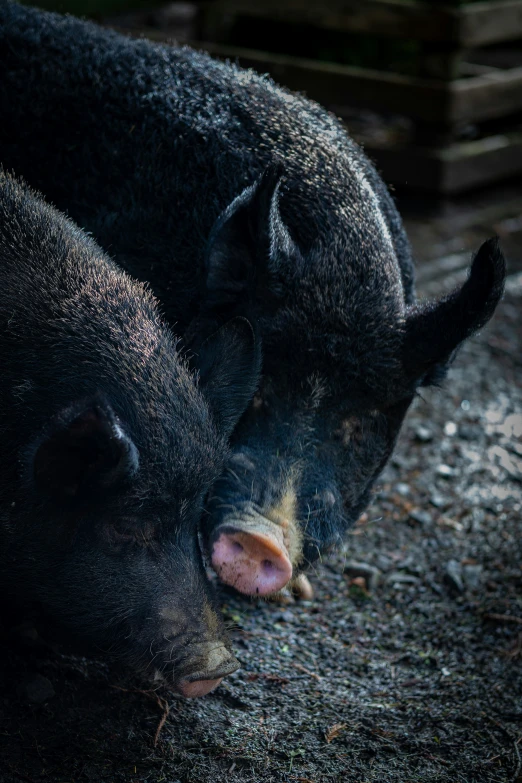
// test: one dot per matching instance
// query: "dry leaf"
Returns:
(334, 731)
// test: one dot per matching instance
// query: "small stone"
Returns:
(445, 471)
(383, 562)
(398, 578)
(467, 432)
(472, 574)
(422, 517)
(453, 576)
(369, 573)
(36, 689)
(402, 489)
(302, 589)
(450, 429)
(423, 434)
(357, 619)
(439, 501)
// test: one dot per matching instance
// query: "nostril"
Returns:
(268, 565)
(236, 547)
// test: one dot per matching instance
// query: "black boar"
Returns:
(108, 448)
(233, 196)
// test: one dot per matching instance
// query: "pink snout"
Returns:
(252, 562)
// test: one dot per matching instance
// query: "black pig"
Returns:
(233, 196)
(108, 448)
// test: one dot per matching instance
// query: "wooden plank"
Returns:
(327, 83)
(470, 25)
(484, 97)
(396, 18)
(454, 169)
(490, 95)
(490, 22)
(495, 94)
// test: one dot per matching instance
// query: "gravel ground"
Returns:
(406, 666)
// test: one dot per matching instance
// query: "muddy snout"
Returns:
(192, 653)
(252, 554)
(208, 663)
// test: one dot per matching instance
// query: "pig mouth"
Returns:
(218, 663)
(202, 682)
(253, 554)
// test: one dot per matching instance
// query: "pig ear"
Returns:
(247, 244)
(84, 449)
(436, 329)
(229, 363)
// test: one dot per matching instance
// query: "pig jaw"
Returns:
(195, 662)
(220, 663)
(256, 552)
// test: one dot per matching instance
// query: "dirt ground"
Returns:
(417, 678)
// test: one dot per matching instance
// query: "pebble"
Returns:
(472, 575)
(397, 577)
(445, 471)
(370, 573)
(453, 576)
(402, 489)
(358, 619)
(423, 434)
(36, 689)
(383, 562)
(450, 429)
(439, 501)
(422, 517)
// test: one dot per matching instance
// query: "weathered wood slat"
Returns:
(490, 22)
(477, 98)
(470, 25)
(453, 169)
(484, 97)
(446, 170)
(401, 18)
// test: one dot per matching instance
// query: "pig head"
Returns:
(109, 446)
(346, 349)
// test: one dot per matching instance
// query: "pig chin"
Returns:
(256, 552)
(201, 669)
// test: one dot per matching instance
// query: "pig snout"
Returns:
(208, 663)
(213, 663)
(252, 554)
(195, 660)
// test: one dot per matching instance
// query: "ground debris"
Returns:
(334, 731)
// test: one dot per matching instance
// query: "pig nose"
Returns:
(251, 561)
(214, 663)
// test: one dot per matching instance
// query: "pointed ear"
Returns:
(84, 449)
(436, 329)
(247, 244)
(229, 363)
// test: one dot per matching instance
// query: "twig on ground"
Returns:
(159, 700)
(307, 671)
